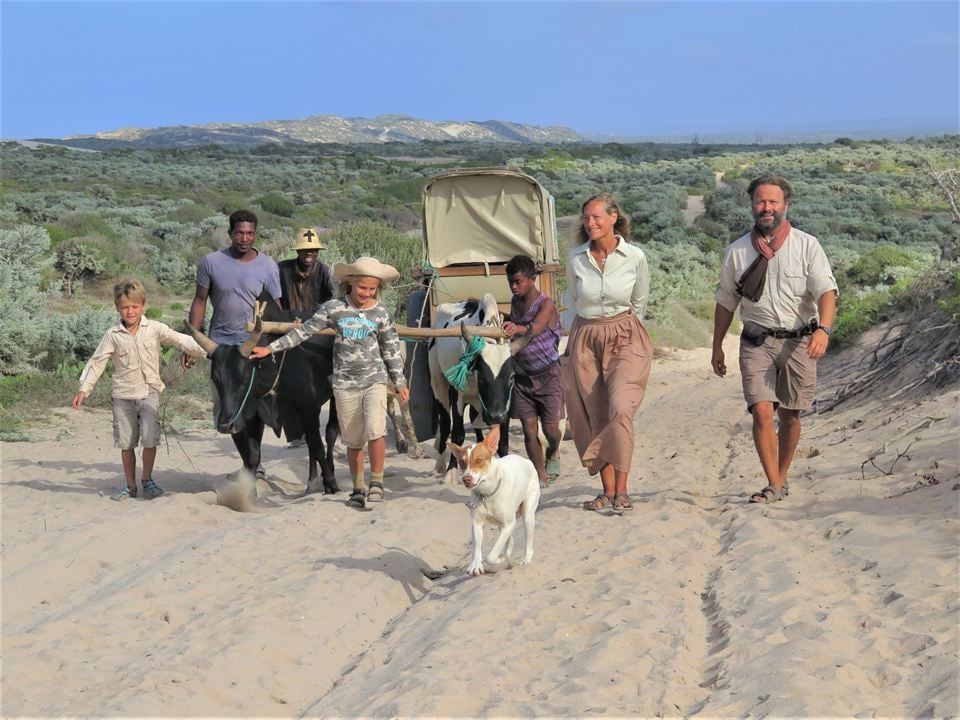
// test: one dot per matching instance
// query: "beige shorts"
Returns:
(362, 414)
(778, 371)
(136, 422)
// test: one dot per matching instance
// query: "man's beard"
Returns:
(769, 226)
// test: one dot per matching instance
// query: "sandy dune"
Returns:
(841, 601)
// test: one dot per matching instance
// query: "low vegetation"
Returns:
(72, 222)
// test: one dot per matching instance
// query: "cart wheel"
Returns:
(417, 370)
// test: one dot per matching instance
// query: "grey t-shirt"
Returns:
(234, 286)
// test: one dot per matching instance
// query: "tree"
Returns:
(77, 260)
(950, 240)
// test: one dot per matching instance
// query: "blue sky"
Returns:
(621, 68)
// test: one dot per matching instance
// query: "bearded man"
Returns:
(781, 280)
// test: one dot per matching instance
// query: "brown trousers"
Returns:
(605, 370)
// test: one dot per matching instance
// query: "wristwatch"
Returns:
(826, 328)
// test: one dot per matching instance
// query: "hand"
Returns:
(260, 352)
(512, 329)
(187, 361)
(718, 362)
(817, 347)
(404, 394)
(78, 400)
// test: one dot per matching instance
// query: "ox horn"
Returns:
(251, 342)
(464, 333)
(208, 345)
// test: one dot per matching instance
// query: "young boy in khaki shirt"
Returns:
(134, 344)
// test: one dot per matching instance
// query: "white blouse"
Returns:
(623, 283)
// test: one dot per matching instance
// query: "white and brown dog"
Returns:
(503, 490)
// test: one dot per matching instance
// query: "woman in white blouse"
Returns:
(608, 356)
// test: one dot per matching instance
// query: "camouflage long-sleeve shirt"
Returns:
(366, 348)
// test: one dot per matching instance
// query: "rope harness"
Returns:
(457, 374)
(273, 388)
(253, 375)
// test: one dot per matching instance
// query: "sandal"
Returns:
(553, 469)
(151, 490)
(357, 499)
(600, 502)
(124, 492)
(769, 494)
(375, 493)
(621, 501)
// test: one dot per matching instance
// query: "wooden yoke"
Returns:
(282, 328)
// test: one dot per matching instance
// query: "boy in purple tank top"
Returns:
(537, 393)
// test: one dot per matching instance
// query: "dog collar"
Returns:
(473, 506)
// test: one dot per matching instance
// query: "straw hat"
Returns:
(307, 239)
(365, 267)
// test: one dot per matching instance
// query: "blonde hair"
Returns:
(131, 289)
(621, 227)
(344, 288)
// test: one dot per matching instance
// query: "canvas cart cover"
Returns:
(487, 215)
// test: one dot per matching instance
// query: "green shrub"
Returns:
(77, 260)
(154, 313)
(277, 204)
(347, 243)
(23, 315)
(874, 267)
(81, 224)
(76, 336)
(57, 234)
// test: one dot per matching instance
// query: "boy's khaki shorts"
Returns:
(362, 414)
(136, 422)
(778, 371)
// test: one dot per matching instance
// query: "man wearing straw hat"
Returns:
(306, 282)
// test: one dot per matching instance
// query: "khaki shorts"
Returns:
(362, 414)
(778, 371)
(136, 422)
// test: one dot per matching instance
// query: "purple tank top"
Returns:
(541, 351)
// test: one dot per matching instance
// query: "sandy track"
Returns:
(842, 600)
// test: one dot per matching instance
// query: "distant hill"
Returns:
(321, 129)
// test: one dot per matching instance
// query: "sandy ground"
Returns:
(840, 601)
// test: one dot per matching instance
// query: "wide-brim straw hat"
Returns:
(365, 267)
(308, 239)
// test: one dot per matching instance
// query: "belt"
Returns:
(807, 329)
(781, 334)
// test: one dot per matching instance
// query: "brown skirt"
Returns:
(605, 370)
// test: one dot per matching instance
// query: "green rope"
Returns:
(457, 375)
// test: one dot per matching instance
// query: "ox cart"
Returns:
(474, 221)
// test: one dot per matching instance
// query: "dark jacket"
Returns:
(305, 294)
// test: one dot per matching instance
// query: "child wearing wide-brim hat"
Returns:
(366, 354)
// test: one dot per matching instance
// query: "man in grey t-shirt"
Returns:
(233, 279)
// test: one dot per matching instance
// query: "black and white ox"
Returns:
(283, 391)
(489, 383)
